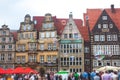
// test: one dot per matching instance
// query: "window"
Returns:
(111, 25)
(31, 35)
(99, 25)
(54, 46)
(105, 25)
(3, 39)
(9, 56)
(10, 46)
(65, 35)
(70, 35)
(47, 34)
(2, 57)
(109, 38)
(76, 35)
(10, 39)
(114, 37)
(18, 59)
(48, 58)
(4, 32)
(23, 59)
(41, 59)
(54, 59)
(86, 49)
(49, 46)
(52, 34)
(102, 37)
(3, 46)
(104, 17)
(41, 46)
(96, 37)
(42, 35)
(32, 58)
(49, 25)
(45, 25)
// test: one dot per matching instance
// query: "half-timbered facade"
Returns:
(104, 33)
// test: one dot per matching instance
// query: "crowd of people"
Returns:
(94, 75)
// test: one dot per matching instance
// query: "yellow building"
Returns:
(26, 44)
(47, 47)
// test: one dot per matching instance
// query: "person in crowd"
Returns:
(92, 75)
(76, 75)
(32, 76)
(60, 77)
(96, 77)
(118, 74)
(106, 76)
(84, 76)
(48, 76)
(114, 76)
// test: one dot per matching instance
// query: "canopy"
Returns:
(2, 71)
(29, 70)
(18, 70)
(105, 68)
(62, 72)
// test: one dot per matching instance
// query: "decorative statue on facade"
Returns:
(27, 25)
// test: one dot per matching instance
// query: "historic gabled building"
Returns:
(104, 27)
(71, 50)
(7, 48)
(47, 42)
(26, 44)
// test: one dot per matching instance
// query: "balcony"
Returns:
(32, 50)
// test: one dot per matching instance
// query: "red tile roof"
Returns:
(60, 23)
(15, 35)
(94, 14)
(84, 32)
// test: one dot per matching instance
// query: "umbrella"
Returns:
(105, 68)
(9, 71)
(29, 70)
(18, 70)
(62, 72)
(2, 71)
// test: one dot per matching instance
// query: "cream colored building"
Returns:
(71, 52)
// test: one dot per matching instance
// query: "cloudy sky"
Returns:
(13, 11)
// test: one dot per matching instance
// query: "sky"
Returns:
(13, 11)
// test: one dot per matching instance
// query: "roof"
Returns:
(60, 23)
(94, 14)
(84, 32)
(15, 35)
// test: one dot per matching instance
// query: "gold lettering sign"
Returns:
(105, 30)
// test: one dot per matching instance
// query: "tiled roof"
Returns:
(84, 32)
(94, 14)
(115, 16)
(60, 23)
(15, 35)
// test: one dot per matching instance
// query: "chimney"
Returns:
(112, 8)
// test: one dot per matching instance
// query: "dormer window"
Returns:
(104, 17)
(99, 25)
(105, 25)
(111, 25)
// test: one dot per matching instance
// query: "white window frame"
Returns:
(102, 37)
(104, 17)
(105, 26)
(96, 37)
